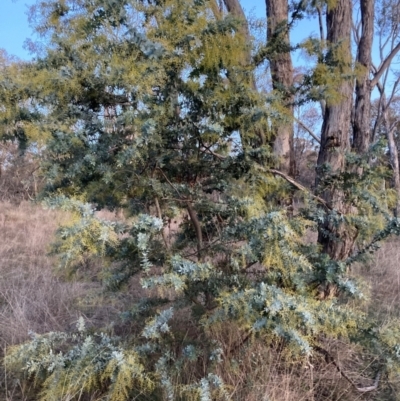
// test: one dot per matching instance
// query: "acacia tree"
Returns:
(150, 108)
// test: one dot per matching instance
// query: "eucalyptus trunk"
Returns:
(337, 239)
(394, 161)
(234, 7)
(393, 152)
(281, 67)
(362, 109)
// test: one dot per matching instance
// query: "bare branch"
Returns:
(320, 23)
(197, 227)
(385, 65)
(394, 89)
(329, 359)
(356, 30)
(299, 187)
(169, 182)
(211, 152)
(309, 130)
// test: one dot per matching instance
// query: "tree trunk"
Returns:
(362, 110)
(393, 152)
(281, 66)
(394, 161)
(234, 8)
(337, 241)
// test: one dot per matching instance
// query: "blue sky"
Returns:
(14, 27)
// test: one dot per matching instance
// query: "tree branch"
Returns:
(394, 89)
(300, 187)
(238, 344)
(169, 182)
(329, 359)
(211, 152)
(197, 227)
(309, 130)
(385, 65)
(320, 23)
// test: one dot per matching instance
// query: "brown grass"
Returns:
(262, 372)
(32, 298)
(383, 277)
(35, 297)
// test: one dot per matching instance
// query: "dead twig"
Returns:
(330, 359)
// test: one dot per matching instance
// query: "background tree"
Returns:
(387, 21)
(280, 64)
(22, 141)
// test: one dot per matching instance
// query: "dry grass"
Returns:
(34, 297)
(262, 372)
(383, 276)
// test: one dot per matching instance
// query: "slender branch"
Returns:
(384, 104)
(385, 64)
(299, 187)
(321, 25)
(176, 199)
(309, 130)
(250, 265)
(163, 233)
(394, 89)
(196, 302)
(356, 32)
(329, 359)
(383, 45)
(169, 182)
(193, 217)
(197, 227)
(238, 344)
(211, 152)
(379, 111)
(188, 255)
